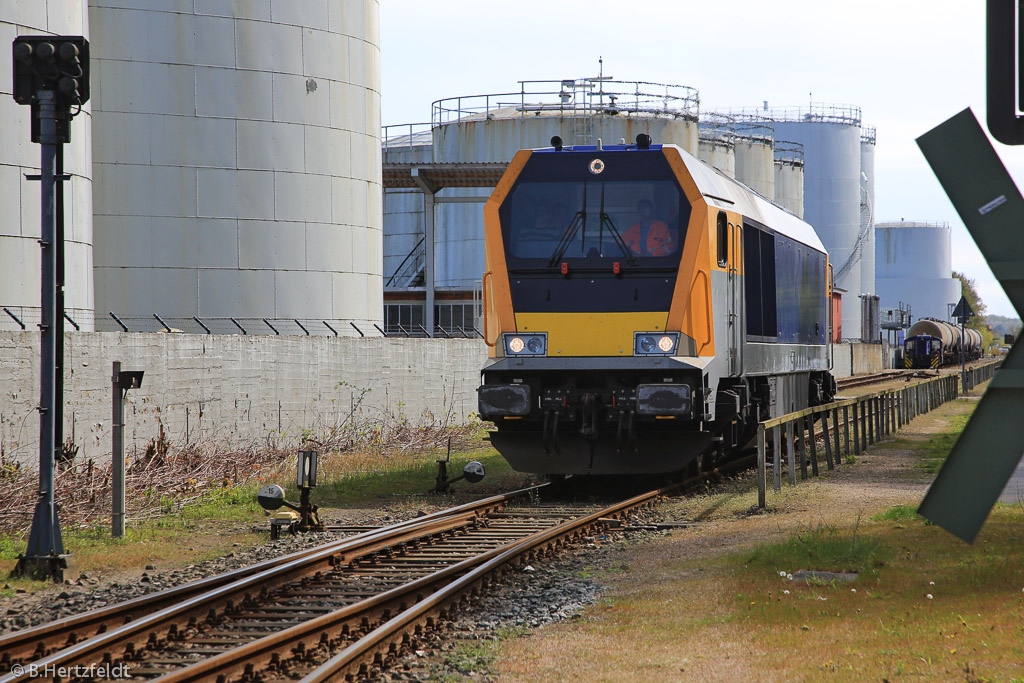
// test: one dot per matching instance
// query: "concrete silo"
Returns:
(867, 209)
(789, 176)
(237, 159)
(830, 135)
(20, 202)
(913, 265)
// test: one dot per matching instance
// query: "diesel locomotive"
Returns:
(931, 343)
(644, 311)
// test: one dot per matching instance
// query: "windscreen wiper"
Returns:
(579, 220)
(613, 231)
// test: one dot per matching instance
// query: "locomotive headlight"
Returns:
(655, 343)
(526, 344)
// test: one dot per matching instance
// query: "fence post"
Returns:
(801, 440)
(856, 425)
(790, 453)
(828, 441)
(846, 428)
(835, 436)
(812, 442)
(760, 467)
(777, 455)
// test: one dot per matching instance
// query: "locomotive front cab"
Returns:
(922, 351)
(587, 250)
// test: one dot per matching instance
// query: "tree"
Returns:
(970, 292)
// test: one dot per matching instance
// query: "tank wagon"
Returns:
(643, 311)
(931, 343)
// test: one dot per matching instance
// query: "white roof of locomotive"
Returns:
(727, 193)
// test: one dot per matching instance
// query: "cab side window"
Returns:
(723, 239)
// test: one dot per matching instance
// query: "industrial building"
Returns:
(234, 165)
(914, 264)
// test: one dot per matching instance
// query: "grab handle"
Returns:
(483, 284)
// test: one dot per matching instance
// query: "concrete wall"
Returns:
(233, 388)
(856, 359)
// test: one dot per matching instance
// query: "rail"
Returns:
(870, 417)
(81, 638)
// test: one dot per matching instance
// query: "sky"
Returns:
(908, 64)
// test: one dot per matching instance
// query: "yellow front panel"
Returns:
(590, 334)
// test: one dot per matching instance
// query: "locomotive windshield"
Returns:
(632, 212)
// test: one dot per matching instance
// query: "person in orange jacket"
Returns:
(648, 236)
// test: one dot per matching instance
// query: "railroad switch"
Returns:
(271, 497)
(473, 472)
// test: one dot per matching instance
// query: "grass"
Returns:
(220, 518)
(925, 605)
(824, 548)
(899, 514)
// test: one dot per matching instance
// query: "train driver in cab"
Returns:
(648, 236)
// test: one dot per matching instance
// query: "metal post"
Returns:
(429, 273)
(117, 435)
(45, 543)
(963, 357)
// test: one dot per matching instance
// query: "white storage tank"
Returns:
(237, 160)
(20, 201)
(715, 143)
(789, 176)
(755, 163)
(493, 127)
(718, 152)
(867, 208)
(913, 266)
(830, 135)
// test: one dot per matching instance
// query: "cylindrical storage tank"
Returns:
(789, 176)
(718, 152)
(830, 136)
(20, 200)
(755, 164)
(913, 266)
(484, 128)
(949, 335)
(237, 160)
(867, 210)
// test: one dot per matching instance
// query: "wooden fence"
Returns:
(848, 427)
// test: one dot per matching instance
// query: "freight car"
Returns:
(643, 311)
(932, 343)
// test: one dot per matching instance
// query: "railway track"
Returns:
(861, 380)
(336, 611)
